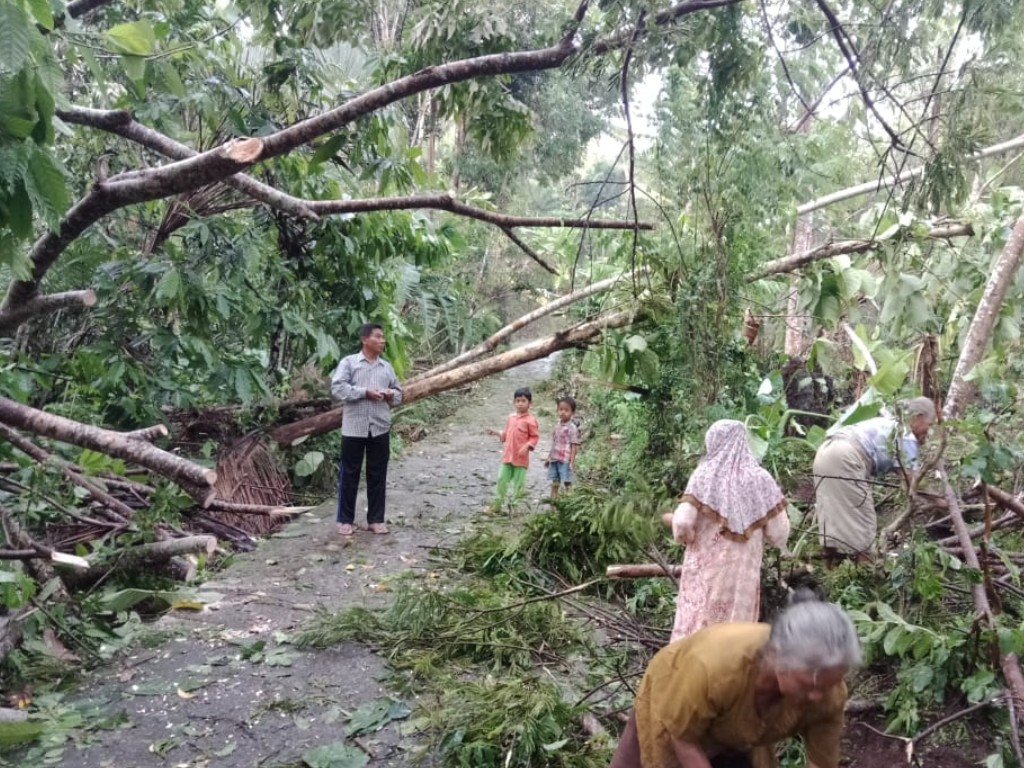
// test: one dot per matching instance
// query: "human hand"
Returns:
(388, 394)
(547, 462)
(492, 432)
(684, 523)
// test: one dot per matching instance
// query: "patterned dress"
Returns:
(730, 506)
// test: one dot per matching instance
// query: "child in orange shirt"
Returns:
(520, 436)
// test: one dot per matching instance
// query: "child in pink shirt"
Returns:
(520, 436)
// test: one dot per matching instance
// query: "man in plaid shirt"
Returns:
(368, 388)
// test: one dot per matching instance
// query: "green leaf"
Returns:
(309, 463)
(18, 213)
(133, 37)
(135, 68)
(243, 385)
(45, 107)
(169, 75)
(336, 755)
(636, 343)
(15, 37)
(123, 599)
(47, 187)
(374, 715)
(169, 287)
(42, 11)
(19, 731)
(327, 150)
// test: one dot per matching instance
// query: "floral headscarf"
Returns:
(729, 484)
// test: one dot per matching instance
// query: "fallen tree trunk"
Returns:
(985, 316)
(575, 336)
(793, 262)
(642, 571)
(490, 344)
(196, 480)
(153, 554)
(1005, 500)
(978, 336)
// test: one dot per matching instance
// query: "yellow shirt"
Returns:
(701, 690)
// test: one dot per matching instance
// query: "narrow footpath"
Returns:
(222, 687)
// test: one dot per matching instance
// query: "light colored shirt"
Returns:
(519, 431)
(700, 690)
(875, 438)
(362, 417)
(565, 436)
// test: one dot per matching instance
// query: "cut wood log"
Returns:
(576, 336)
(154, 553)
(257, 509)
(149, 434)
(195, 479)
(642, 571)
(1005, 500)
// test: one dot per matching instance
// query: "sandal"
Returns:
(346, 529)
(378, 528)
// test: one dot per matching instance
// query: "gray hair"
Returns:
(811, 634)
(919, 406)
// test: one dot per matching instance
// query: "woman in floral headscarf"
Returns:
(730, 506)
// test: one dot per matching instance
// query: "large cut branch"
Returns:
(980, 331)
(112, 507)
(827, 251)
(416, 390)
(135, 187)
(195, 479)
(43, 305)
(491, 343)
(978, 335)
(888, 182)
(445, 201)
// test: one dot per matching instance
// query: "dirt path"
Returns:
(211, 695)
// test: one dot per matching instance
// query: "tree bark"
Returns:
(196, 480)
(980, 331)
(425, 387)
(802, 238)
(154, 553)
(827, 251)
(42, 305)
(1005, 500)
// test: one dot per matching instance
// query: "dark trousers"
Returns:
(377, 451)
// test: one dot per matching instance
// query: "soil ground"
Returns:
(208, 694)
(194, 701)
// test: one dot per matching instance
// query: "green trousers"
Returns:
(512, 475)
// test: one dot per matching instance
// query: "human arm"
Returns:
(689, 755)
(776, 531)
(342, 387)
(574, 443)
(393, 394)
(822, 737)
(532, 437)
(684, 523)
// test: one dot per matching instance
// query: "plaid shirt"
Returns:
(565, 436)
(362, 417)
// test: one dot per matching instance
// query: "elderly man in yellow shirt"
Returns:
(725, 695)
